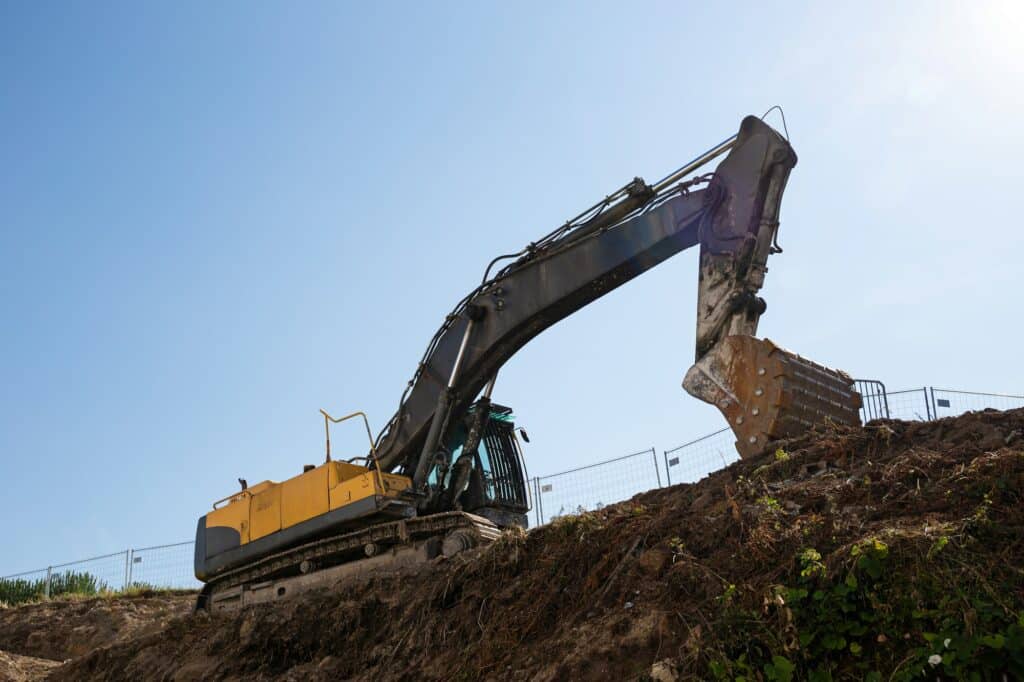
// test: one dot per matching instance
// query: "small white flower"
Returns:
(934, 659)
(946, 642)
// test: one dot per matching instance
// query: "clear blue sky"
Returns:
(217, 218)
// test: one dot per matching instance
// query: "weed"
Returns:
(676, 545)
(728, 596)
(810, 563)
(845, 621)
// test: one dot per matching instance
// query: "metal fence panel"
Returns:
(163, 566)
(874, 400)
(690, 462)
(910, 405)
(24, 586)
(110, 571)
(596, 485)
(88, 576)
(946, 403)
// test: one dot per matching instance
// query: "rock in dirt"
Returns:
(663, 671)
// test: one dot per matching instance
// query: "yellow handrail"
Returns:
(369, 434)
(231, 496)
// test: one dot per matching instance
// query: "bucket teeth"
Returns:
(766, 392)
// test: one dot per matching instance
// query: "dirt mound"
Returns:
(15, 668)
(885, 552)
(65, 628)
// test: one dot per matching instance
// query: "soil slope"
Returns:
(893, 551)
(15, 668)
(37, 637)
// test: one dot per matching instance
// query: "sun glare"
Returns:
(999, 32)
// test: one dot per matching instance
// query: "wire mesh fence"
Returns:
(165, 566)
(26, 586)
(928, 403)
(696, 459)
(595, 485)
(158, 567)
(946, 403)
(690, 462)
(581, 489)
(95, 575)
(910, 405)
(107, 570)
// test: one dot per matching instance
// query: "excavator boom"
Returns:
(732, 214)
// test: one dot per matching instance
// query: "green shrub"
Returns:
(19, 590)
(933, 611)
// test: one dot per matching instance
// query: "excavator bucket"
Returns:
(767, 393)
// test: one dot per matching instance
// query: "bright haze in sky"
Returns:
(217, 218)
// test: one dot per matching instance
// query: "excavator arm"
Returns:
(732, 214)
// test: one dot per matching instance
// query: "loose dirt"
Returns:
(24, 668)
(37, 637)
(893, 551)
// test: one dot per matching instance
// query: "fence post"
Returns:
(935, 406)
(126, 568)
(131, 568)
(927, 404)
(536, 502)
(668, 471)
(657, 469)
(49, 574)
(540, 503)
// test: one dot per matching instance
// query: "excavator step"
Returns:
(767, 393)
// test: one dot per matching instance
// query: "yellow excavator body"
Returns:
(275, 515)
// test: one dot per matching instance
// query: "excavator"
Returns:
(446, 473)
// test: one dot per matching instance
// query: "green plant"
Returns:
(810, 563)
(578, 526)
(780, 669)
(980, 517)
(938, 546)
(19, 590)
(844, 621)
(729, 595)
(675, 544)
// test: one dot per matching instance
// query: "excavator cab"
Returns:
(496, 488)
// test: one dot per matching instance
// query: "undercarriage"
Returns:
(385, 546)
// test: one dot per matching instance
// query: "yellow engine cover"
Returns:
(269, 507)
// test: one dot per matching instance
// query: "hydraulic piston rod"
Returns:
(710, 155)
(440, 414)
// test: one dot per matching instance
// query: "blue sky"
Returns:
(217, 218)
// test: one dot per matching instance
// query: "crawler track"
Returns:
(350, 549)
